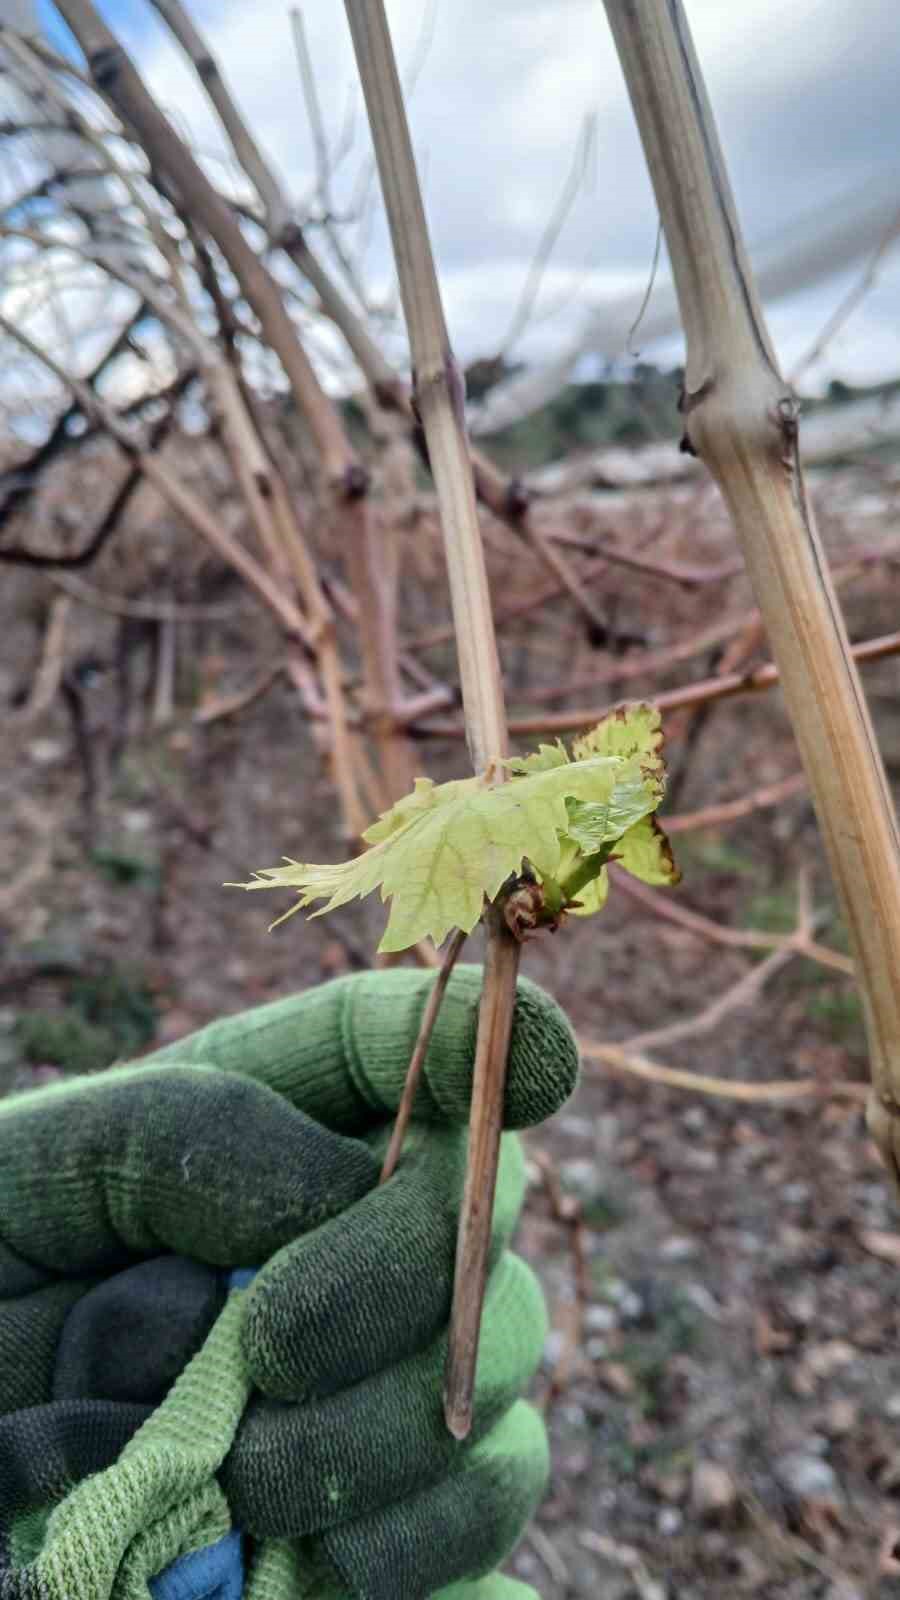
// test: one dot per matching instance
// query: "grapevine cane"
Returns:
(742, 420)
(439, 397)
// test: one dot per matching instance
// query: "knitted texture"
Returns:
(30, 1330)
(341, 1051)
(461, 1511)
(302, 1469)
(160, 1499)
(164, 1307)
(44, 1450)
(148, 1164)
(396, 1247)
(461, 1527)
(258, 1141)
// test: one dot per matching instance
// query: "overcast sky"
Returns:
(807, 97)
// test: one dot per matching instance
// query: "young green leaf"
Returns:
(632, 730)
(646, 853)
(543, 759)
(591, 825)
(441, 850)
(592, 896)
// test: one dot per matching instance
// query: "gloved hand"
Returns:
(307, 1412)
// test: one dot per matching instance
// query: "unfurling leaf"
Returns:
(646, 853)
(441, 850)
(543, 759)
(633, 730)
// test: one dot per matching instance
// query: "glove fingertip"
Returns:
(543, 1055)
(543, 1059)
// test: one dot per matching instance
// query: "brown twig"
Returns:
(587, 135)
(166, 653)
(49, 674)
(227, 705)
(621, 1059)
(179, 497)
(121, 605)
(690, 574)
(509, 504)
(112, 516)
(725, 811)
(736, 938)
(46, 826)
(116, 78)
(370, 560)
(733, 999)
(693, 694)
(739, 994)
(420, 1051)
(854, 296)
(20, 483)
(473, 1246)
(439, 403)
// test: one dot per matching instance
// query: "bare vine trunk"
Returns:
(741, 419)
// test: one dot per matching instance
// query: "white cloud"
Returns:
(805, 96)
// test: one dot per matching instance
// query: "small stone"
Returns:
(892, 1406)
(840, 1417)
(801, 1306)
(554, 1348)
(713, 1490)
(574, 1416)
(699, 1295)
(599, 1319)
(753, 1571)
(596, 1349)
(44, 752)
(672, 1487)
(137, 821)
(795, 1194)
(631, 1307)
(829, 1356)
(616, 1377)
(669, 1521)
(816, 1444)
(579, 1174)
(805, 1476)
(607, 1134)
(678, 1249)
(694, 1119)
(576, 1127)
(700, 1160)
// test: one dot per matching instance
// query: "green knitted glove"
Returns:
(257, 1140)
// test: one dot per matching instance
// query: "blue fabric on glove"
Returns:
(216, 1573)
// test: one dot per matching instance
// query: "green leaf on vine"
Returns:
(646, 853)
(630, 730)
(441, 850)
(543, 759)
